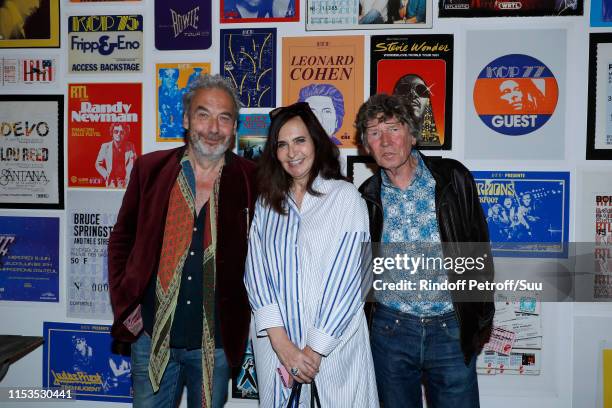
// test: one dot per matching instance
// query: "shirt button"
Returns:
(195, 229)
(192, 253)
(419, 296)
(189, 302)
(189, 278)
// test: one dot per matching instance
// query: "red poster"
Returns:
(104, 133)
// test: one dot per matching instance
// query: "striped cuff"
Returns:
(266, 317)
(320, 341)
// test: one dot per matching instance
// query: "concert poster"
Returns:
(510, 8)
(599, 114)
(527, 212)
(183, 24)
(104, 133)
(29, 259)
(515, 98)
(173, 80)
(248, 60)
(259, 11)
(79, 357)
(252, 134)
(32, 151)
(327, 73)
(91, 217)
(244, 378)
(109, 44)
(420, 68)
(34, 24)
(368, 14)
(31, 71)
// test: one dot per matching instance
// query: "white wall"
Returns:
(550, 389)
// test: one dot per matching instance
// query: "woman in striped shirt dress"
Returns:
(303, 269)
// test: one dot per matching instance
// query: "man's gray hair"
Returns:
(384, 107)
(208, 81)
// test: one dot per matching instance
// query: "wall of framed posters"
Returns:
(519, 91)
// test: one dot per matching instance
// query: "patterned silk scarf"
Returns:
(175, 248)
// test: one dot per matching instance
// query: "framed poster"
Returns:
(419, 67)
(326, 72)
(248, 60)
(173, 81)
(183, 24)
(109, 44)
(79, 358)
(30, 24)
(32, 151)
(599, 119)
(251, 135)
(29, 259)
(515, 99)
(104, 133)
(259, 11)
(91, 217)
(30, 71)
(368, 14)
(244, 378)
(509, 8)
(360, 168)
(527, 212)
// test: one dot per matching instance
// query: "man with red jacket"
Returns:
(176, 257)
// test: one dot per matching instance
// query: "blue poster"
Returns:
(527, 212)
(244, 378)
(601, 13)
(78, 357)
(29, 259)
(248, 59)
(183, 24)
(252, 135)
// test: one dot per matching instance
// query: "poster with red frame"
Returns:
(104, 133)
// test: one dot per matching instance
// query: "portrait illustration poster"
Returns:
(183, 24)
(515, 96)
(91, 217)
(110, 44)
(599, 116)
(173, 80)
(509, 8)
(104, 133)
(252, 134)
(31, 71)
(527, 212)
(259, 11)
(78, 357)
(32, 151)
(419, 67)
(30, 24)
(29, 259)
(368, 14)
(248, 60)
(326, 72)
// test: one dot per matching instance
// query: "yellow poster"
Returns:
(607, 378)
(327, 73)
(29, 24)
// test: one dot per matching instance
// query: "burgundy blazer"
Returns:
(136, 240)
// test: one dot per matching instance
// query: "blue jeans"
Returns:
(184, 369)
(409, 350)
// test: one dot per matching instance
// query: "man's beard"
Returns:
(204, 151)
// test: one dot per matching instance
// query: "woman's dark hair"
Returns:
(272, 179)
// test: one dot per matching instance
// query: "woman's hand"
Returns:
(292, 357)
(316, 357)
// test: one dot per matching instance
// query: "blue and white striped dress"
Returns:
(302, 273)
